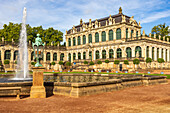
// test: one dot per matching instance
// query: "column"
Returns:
(155, 53)
(76, 55)
(129, 33)
(100, 53)
(114, 35)
(29, 55)
(160, 52)
(134, 31)
(133, 51)
(164, 54)
(87, 41)
(87, 54)
(168, 55)
(12, 56)
(139, 33)
(107, 53)
(51, 56)
(2, 55)
(93, 37)
(107, 35)
(150, 52)
(144, 52)
(45, 53)
(81, 54)
(115, 52)
(58, 57)
(123, 32)
(123, 52)
(100, 36)
(81, 39)
(76, 40)
(93, 54)
(66, 41)
(71, 56)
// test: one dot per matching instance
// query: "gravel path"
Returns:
(143, 99)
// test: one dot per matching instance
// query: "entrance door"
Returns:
(120, 67)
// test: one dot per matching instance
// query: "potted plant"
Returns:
(53, 63)
(148, 60)
(85, 62)
(6, 62)
(160, 60)
(136, 61)
(107, 62)
(126, 62)
(116, 62)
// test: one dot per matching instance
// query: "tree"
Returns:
(91, 63)
(126, 62)
(52, 63)
(60, 62)
(160, 60)
(6, 61)
(136, 61)
(116, 62)
(148, 60)
(85, 62)
(68, 63)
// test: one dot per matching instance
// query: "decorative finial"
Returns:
(90, 20)
(110, 15)
(120, 10)
(81, 21)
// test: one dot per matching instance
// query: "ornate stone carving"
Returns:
(110, 20)
(120, 10)
(123, 18)
(96, 24)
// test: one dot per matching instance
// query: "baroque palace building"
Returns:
(116, 37)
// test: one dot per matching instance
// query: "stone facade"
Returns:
(116, 37)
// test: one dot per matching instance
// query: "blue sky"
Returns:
(63, 14)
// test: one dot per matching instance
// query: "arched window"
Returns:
(79, 40)
(131, 33)
(61, 56)
(90, 55)
(136, 33)
(90, 38)
(15, 55)
(79, 55)
(138, 49)
(55, 57)
(118, 34)
(84, 55)
(111, 53)
(103, 54)
(157, 53)
(162, 54)
(74, 56)
(7, 54)
(69, 42)
(166, 56)
(84, 39)
(126, 33)
(96, 37)
(103, 36)
(119, 53)
(32, 55)
(110, 35)
(48, 56)
(97, 54)
(69, 57)
(74, 41)
(129, 52)
(153, 52)
(147, 51)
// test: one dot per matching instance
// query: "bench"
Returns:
(10, 91)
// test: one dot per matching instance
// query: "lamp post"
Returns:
(38, 89)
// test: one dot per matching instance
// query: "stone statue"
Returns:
(123, 18)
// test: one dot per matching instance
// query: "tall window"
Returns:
(61, 56)
(138, 49)
(118, 34)
(147, 51)
(69, 42)
(7, 54)
(32, 55)
(136, 33)
(131, 33)
(110, 35)
(90, 38)
(90, 55)
(162, 54)
(129, 52)
(84, 55)
(48, 56)
(103, 54)
(157, 53)
(69, 57)
(74, 56)
(96, 37)
(15, 55)
(119, 53)
(84, 39)
(74, 41)
(97, 54)
(103, 36)
(55, 57)
(79, 40)
(79, 55)
(126, 33)
(153, 53)
(111, 53)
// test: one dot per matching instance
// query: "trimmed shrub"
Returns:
(91, 63)
(106, 61)
(160, 60)
(68, 63)
(126, 62)
(85, 62)
(136, 61)
(61, 62)
(33, 63)
(6, 61)
(99, 62)
(52, 63)
(148, 60)
(116, 62)
(15, 62)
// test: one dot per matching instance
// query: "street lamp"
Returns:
(38, 48)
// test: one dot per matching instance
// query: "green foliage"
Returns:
(6, 61)
(91, 63)
(48, 35)
(68, 63)
(0, 63)
(116, 62)
(106, 61)
(126, 62)
(160, 60)
(33, 63)
(99, 62)
(136, 61)
(85, 62)
(15, 62)
(52, 63)
(148, 60)
(60, 62)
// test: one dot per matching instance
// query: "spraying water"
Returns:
(22, 63)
